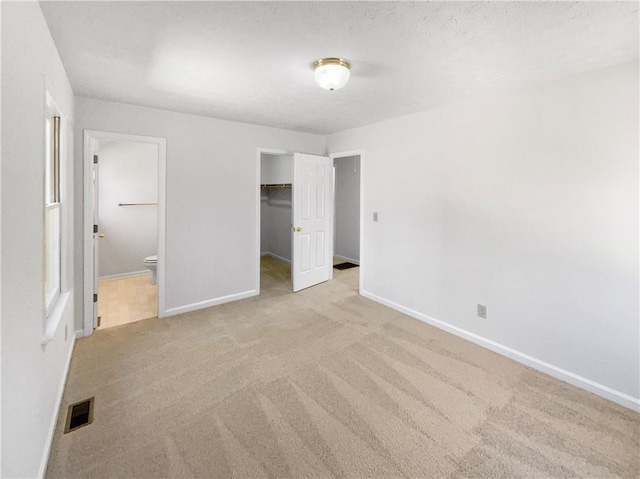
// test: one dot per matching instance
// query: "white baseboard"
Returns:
(285, 203)
(54, 420)
(109, 277)
(567, 376)
(208, 303)
(345, 258)
(275, 256)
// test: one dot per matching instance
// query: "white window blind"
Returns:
(52, 248)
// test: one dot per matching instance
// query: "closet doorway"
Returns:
(276, 178)
(348, 217)
(294, 219)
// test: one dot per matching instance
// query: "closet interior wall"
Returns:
(275, 206)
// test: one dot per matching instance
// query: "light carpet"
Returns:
(325, 383)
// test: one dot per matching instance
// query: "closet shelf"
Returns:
(265, 187)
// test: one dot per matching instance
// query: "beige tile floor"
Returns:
(125, 300)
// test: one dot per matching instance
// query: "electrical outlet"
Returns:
(482, 311)
(375, 216)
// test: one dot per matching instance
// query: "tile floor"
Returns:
(126, 300)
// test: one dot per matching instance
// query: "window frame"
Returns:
(53, 154)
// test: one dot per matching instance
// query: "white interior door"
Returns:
(312, 220)
(96, 235)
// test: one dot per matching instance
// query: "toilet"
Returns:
(151, 262)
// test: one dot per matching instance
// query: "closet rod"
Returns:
(137, 204)
(274, 186)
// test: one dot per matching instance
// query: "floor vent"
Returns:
(79, 414)
(345, 266)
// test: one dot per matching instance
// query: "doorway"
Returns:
(276, 178)
(348, 217)
(124, 233)
(301, 186)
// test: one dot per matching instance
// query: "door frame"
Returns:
(344, 154)
(91, 137)
(259, 152)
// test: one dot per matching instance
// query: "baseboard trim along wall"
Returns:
(275, 256)
(124, 275)
(345, 258)
(54, 419)
(208, 303)
(554, 371)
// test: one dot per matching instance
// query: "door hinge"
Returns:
(95, 297)
(95, 159)
(95, 228)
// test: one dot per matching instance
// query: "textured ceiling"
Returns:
(251, 61)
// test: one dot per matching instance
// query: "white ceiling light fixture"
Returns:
(331, 73)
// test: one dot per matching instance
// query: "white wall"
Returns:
(128, 174)
(212, 177)
(525, 201)
(32, 374)
(276, 169)
(275, 226)
(346, 241)
(264, 223)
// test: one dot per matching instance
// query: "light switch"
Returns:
(375, 216)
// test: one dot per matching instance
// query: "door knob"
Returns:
(100, 235)
(297, 229)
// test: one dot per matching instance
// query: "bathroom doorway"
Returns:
(125, 242)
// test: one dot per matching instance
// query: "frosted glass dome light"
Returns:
(331, 73)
